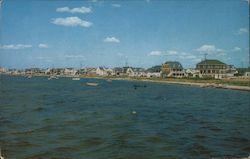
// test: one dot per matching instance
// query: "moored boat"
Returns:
(30, 76)
(53, 77)
(76, 78)
(92, 84)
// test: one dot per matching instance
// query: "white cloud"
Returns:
(43, 46)
(171, 52)
(15, 46)
(116, 5)
(111, 40)
(189, 56)
(210, 49)
(236, 49)
(71, 21)
(242, 31)
(74, 10)
(155, 53)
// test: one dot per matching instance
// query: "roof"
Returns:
(174, 64)
(138, 69)
(211, 62)
(154, 69)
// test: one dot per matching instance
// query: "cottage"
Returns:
(56, 71)
(172, 69)
(154, 72)
(230, 71)
(3, 70)
(69, 72)
(247, 75)
(122, 71)
(91, 72)
(191, 72)
(135, 72)
(102, 71)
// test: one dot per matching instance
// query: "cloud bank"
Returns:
(81, 10)
(43, 46)
(111, 40)
(15, 46)
(71, 22)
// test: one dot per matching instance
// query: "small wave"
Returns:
(93, 141)
(240, 140)
(154, 139)
(39, 109)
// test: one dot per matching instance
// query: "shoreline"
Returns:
(202, 85)
(205, 84)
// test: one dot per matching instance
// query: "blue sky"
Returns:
(92, 33)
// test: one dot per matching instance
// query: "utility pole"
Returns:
(126, 62)
(205, 56)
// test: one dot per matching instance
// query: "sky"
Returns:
(138, 33)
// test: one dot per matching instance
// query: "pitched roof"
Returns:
(174, 64)
(211, 62)
(137, 69)
(156, 68)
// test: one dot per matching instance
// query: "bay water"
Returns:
(41, 119)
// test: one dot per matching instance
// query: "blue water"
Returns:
(42, 118)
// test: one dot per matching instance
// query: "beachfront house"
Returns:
(56, 71)
(139, 72)
(81, 71)
(91, 72)
(48, 71)
(69, 72)
(191, 72)
(102, 71)
(136, 72)
(3, 70)
(154, 72)
(121, 71)
(247, 75)
(118, 71)
(215, 69)
(172, 69)
(231, 71)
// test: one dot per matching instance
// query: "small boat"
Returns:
(76, 78)
(53, 77)
(92, 84)
(109, 80)
(137, 86)
(29, 76)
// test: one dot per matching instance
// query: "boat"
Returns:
(53, 77)
(137, 86)
(109, 80)
(76, 78)
(30, 76)
(92, 84)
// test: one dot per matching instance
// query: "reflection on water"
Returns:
(67, 119)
